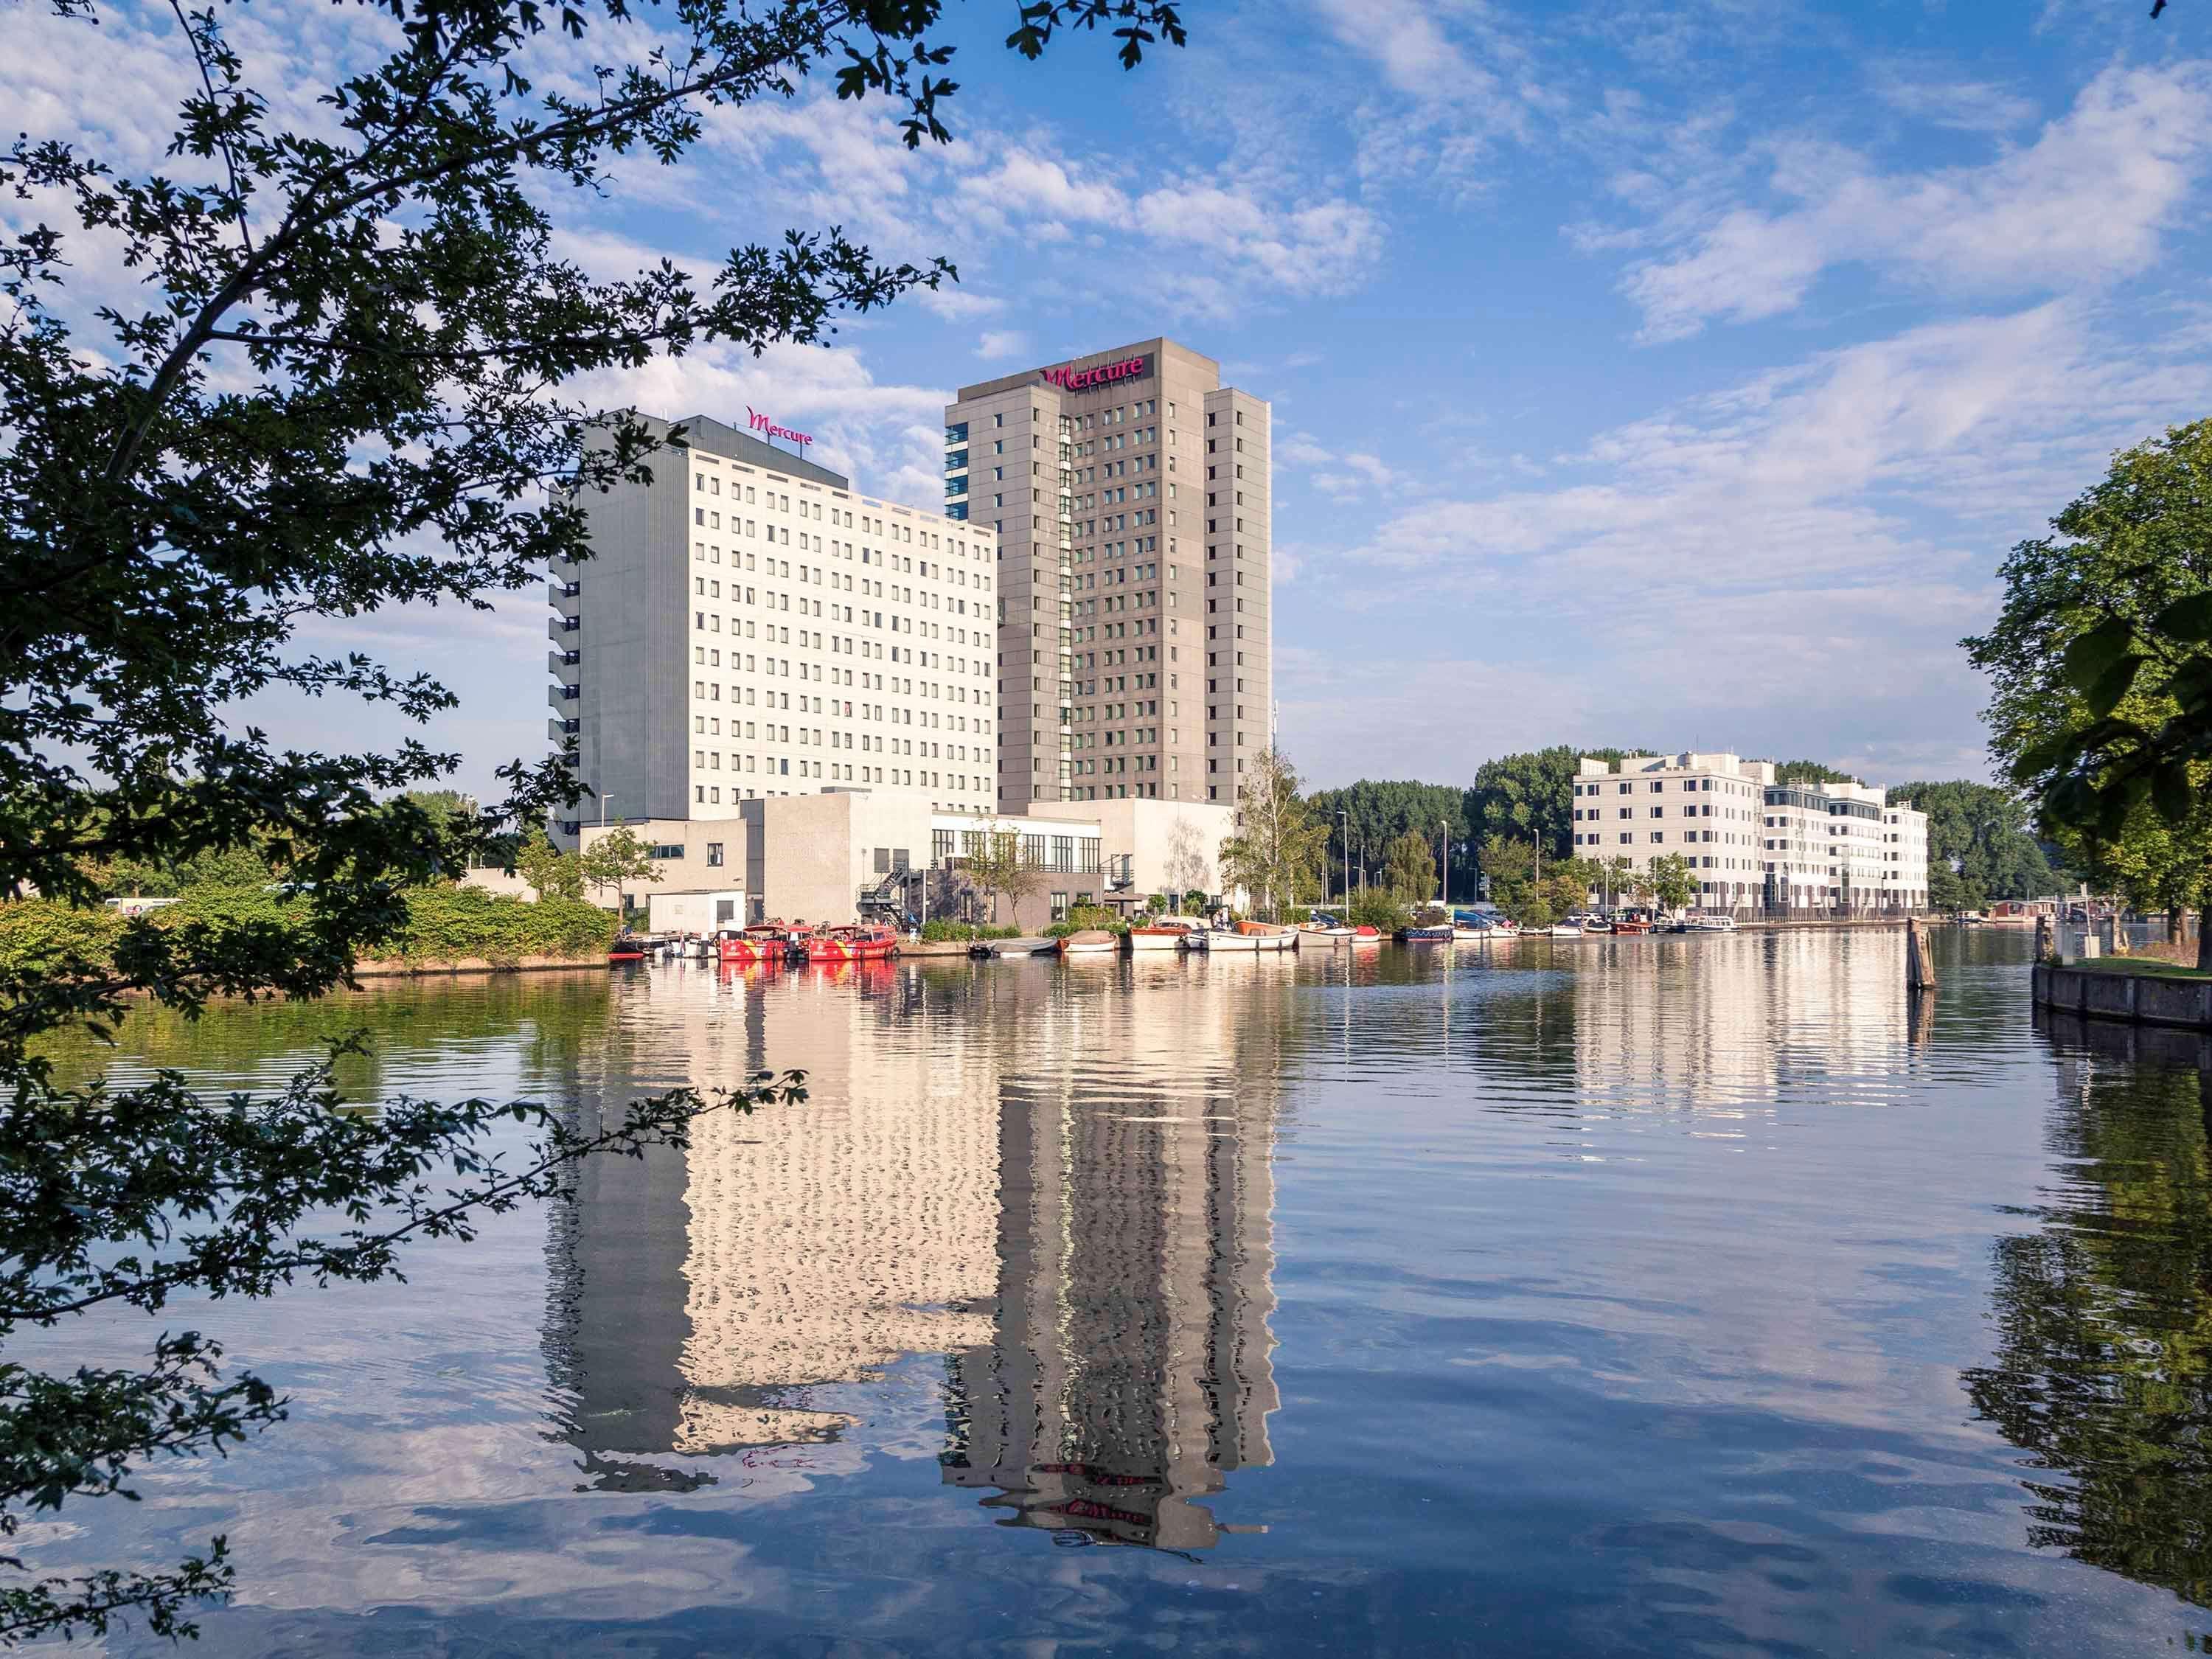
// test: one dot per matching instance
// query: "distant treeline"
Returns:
(1979, 845)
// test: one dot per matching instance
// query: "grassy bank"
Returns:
(444, 925)
(2149, 967)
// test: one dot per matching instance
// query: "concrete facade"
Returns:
(834, 856)
(1131, 495)
(749, 625)
(1755, 843)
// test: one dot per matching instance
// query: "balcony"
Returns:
(563, 665)
(559, 730)
(560, 696)
(562, 628)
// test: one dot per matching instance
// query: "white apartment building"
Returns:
(749, 625)
(1705, 807)
(1130, 493)
(1752, 840)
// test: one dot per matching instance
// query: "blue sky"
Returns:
(1642, 374)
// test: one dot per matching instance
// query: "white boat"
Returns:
(1565, 930)
(1163, 934)
(1091, 942)
(1243, 938)
(1716, 924)
(1333, 932)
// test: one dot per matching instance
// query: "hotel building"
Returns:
(749, 626)
(1128, 494)
(1753, 842)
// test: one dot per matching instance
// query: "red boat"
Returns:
(866, 943)
(764, 941)
(1362, 934)
(626, 948)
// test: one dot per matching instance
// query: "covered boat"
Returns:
(867, 942)
(763, 941)
(1161, 934)
(1090, 941)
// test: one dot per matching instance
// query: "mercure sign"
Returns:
(1086, 380)
(768, 428)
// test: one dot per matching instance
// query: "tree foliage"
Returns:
(1810, 771)
(2100, 668)
(615, 860)
(1529, 797)
(340, 391)
(1672, 882)
(1377, 813)
(1275, 849)
(1979, 844)
(551, 872)
(1409, 867)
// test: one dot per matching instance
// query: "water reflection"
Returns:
(2103, 1367)
(1081, 1229)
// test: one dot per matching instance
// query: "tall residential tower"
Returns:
(1128, 495)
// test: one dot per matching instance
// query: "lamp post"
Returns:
(1344, 815)
(1444, 843)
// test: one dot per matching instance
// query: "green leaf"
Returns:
(2171, 794)
(2112, 684)
(2187, 619)
(2096, 651)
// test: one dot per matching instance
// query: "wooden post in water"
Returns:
(1920, 964)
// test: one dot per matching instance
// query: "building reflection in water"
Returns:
(1073, 1208)
(2102, 1372)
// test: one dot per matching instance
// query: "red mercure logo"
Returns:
(1084, 379)
(769, 428)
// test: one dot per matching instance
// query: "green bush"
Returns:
(1089, 918)
(954, 932)
(444, 924)
(1374, 907)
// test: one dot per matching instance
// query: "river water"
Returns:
(1696, 1296)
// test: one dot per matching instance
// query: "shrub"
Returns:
(1374, 907)
(952, 932)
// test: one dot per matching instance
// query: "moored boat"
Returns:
(1090, 941)
(867, 942)
(1432, 934)
(1633, 922)
(1162, 933)
(1716, 924)
(1269, 935)
(1565, 930)
(1362, 934)
(627, 947)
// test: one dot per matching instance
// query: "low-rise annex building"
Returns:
(846, 855)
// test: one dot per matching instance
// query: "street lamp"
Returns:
(1444, 840)
(1345, 814)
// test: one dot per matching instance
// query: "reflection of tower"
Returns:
(1130, 1367)
(697, 1295)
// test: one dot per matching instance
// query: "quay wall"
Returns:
(2141, 999)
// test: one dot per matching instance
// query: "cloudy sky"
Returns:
(1643, 374)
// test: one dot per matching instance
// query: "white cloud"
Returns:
(2088, 203)
(997, 343)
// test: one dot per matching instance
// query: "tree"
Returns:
(1980, 834)
(1809, 771)
(996, 866)
(614, 858)
(2100, 665)
(1373, 907)
(550, 872)
(1531, 797)
(1377, 813)
(1509, 866)
(1409, 867)
(1186, 868)
(342, 391)
(1274, 851)
(1672, 882)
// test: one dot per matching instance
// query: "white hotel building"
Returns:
(1752, 841)
(749, 626)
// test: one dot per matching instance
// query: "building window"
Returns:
(1059, 907)
(713, 855)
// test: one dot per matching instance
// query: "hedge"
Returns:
(948, 932)
(444, 924)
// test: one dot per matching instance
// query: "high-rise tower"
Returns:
(1127, 492)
